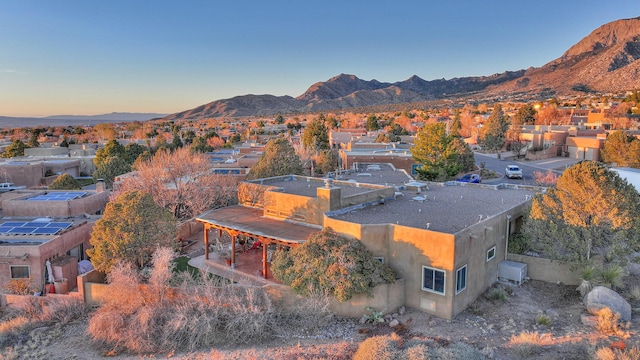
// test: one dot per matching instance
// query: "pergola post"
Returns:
(265, 245)
(206, 242)
(233, 251)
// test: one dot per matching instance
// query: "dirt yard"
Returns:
(511, 329)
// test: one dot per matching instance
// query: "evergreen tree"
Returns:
(110, 168)
(279, 158)
(65, 182)
(372, 123)
(316, 135)
(130, 230)
(442, 156)
(621, 149)
(493, 132)
(590, 211)
(15, 149)
(526, 115)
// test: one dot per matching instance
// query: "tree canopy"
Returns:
(526, 115)
(622, 149)
(493, 132)
(590, 211)
(65, 182)
(442, 155)
(279, 158)
(111, 167)
(182, 182)
(15, 149)
(316, 135)
(132, 228)
(333, 263)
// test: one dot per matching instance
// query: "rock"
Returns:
(394, 323)
(634, 268)
(589, 320)
(552, 313)
(402, 310)
(601, 297)
(362, 320)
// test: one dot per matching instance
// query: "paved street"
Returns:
(528, 167)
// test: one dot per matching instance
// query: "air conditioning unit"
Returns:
(511, 271)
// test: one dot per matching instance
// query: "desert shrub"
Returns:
(158, 318)
(459, 351)
(543, 320)
(607, 321)
(19, 286)
(379, 347)
(612, 275)
(333, 263)
(497, 294)
(607, 353)
(395, 347)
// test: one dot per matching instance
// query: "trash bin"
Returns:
(61, 286)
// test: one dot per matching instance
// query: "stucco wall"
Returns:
(548, 270)
(92, 204)
(289, 206)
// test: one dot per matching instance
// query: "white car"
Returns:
(513, 171)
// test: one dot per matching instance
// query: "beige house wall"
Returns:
(548, 270)
(37, 255)
(92, 204)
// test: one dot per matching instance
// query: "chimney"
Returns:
(100, 186)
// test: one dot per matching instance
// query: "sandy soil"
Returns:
(490, 327)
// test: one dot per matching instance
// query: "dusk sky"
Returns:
(94, 57)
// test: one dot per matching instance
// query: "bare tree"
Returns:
(183, 182)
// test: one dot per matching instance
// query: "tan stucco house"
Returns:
(444, 240)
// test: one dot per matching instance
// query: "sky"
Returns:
(83, 57)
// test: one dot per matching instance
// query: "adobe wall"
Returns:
(367, 197)
(28, 175)
(472, 246)
(406, 250)
(290, 206)
(548, 270)
(92, 204)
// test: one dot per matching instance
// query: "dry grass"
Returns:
(159, 318)
(608, 321)
(607, 353)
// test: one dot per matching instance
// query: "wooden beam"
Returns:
(233, 251)
(206, 242)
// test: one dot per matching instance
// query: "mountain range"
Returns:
(607, 60)
(75, 120)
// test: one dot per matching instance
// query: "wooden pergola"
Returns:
(240, 220)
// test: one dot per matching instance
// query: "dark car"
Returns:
(470, 178)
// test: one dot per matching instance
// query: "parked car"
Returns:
(513, 171)
(470, 178)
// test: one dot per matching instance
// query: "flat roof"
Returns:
(307, 186)
(18, 230)
(443, 208)
(252, 221)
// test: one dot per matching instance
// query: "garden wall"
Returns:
(548, 270)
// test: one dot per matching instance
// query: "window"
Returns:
(491, 253)
(433, 280)
(461, 279)
(379, 258)
(20, 272)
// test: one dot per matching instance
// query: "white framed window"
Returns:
(433, 280)
(461, 279)
(379, 258)
(20, 272)
(491, 253)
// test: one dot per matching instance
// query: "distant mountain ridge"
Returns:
(114, 116)
(604, 61)
(75, 120)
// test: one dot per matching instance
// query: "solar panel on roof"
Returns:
(5, 229)
(23, 230)
(46, 231)
(62, 225)
(14, 223)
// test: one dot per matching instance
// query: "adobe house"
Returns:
(41, 226)
(444, 240)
